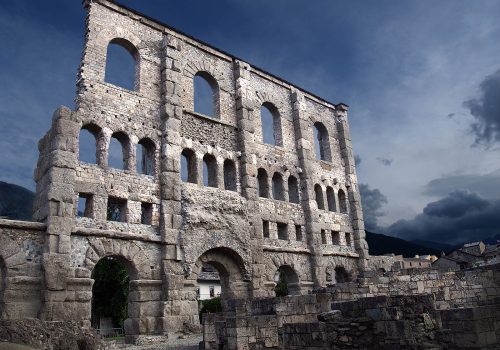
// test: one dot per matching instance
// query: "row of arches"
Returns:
(276, 188)
(210, 170)
(334, 202)
(116, 150)
(122, 69)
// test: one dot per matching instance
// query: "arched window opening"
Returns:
(122, 68)
(278, 190)
(342, 201)
(321, 142)
(318, 192)
(110, 294)
(206, 95)
(330, 198)
(87, 143)
(262, 183)
(293, 189)
(230, 183)
(209, 171)
(118, 152)
(188, 166)
(287, 281)
(341, 275)
(271, 124)
(145, 156)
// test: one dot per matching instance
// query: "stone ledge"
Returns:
(82, 231)
(25, 225)
(209, 119)
(268, 248)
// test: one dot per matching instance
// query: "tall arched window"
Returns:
(278, 189)
(321, 142)
(271, 124)
(145, 156)
(119, 150)
(330, 198)
(342, 201)
(341, 275)
(87, 143)
(262, 183)
(188, 166)
(209, 170)
(230, 175)
(122, 68)
(293, 189)
(206, 95)
(318, 192)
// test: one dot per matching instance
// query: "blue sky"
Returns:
(421, 79)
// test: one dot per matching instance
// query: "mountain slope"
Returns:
(381, 244)
(434, 245)
(16, 202)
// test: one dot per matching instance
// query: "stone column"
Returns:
(175, 313)
(305, 152)
(354, 199)
(248, 171)
(55, 204)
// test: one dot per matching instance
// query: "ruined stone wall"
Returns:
(452, 310)
(21, 247)
(168, 228)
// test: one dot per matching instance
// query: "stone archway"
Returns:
(287, 281)
(234, 277)
(143, 309)
(110, 294)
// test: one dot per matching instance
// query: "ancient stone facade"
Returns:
(266, 207)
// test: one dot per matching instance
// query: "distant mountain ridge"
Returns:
(380, 244)
(16, 202)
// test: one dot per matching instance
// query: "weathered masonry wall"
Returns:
(451, 310)
(192, 188)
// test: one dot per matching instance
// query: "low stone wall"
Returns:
(450, 289)
(433, 310)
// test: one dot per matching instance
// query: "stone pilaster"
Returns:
(248, 170)
(355, 209)
(305, 155)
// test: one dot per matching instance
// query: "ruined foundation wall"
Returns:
(457, 307)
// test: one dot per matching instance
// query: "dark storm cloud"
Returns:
(385, 161)
(487, 186)
(486, 111)
(372, 200)
(459, 217)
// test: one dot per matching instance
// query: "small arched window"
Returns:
(271, 124)
(209, 171)
(119, 151)
(330, 198)
(145, 156)
(262, 183)
(342, 201)
(87, 143)
(318, 192)
(278, 189)
(229, 175)
(293, 189)
(188, 166)
(206, 95)
(341, 275)
(321, 142)
(122, 68)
